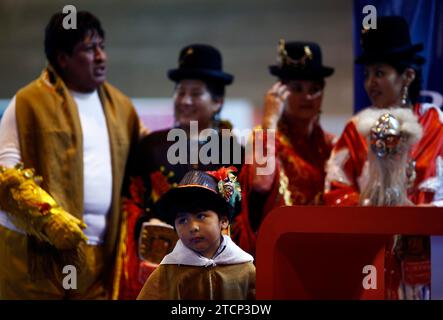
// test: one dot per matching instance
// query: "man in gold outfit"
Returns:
(64, 144)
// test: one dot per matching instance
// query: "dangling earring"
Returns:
(404, 96)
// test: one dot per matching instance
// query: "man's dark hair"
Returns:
(58, 39)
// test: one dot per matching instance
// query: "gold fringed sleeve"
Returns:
(34, 211)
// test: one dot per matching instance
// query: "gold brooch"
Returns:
(187, 53)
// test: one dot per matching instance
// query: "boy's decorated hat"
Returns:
(218, 191)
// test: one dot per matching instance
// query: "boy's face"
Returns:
(201, 231)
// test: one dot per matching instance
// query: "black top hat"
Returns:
(390, 41)
(300, 60)
(200, 61)
(201, 190)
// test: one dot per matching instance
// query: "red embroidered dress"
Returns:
(298, 180)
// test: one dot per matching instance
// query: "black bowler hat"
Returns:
(390, 41)
(218, 191)
(300, 60)
(200, 61)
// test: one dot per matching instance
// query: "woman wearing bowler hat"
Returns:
(292, 107)
(199, 94)
(392, 82)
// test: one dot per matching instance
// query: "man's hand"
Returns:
(63, 230)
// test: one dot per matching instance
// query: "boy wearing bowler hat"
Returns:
(200, 83)
(205, 264)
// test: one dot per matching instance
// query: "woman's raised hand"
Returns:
(275, 101)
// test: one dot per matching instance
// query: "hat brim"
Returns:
(403, 53)
(203, 74)
(300, 74)
(170, 203)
